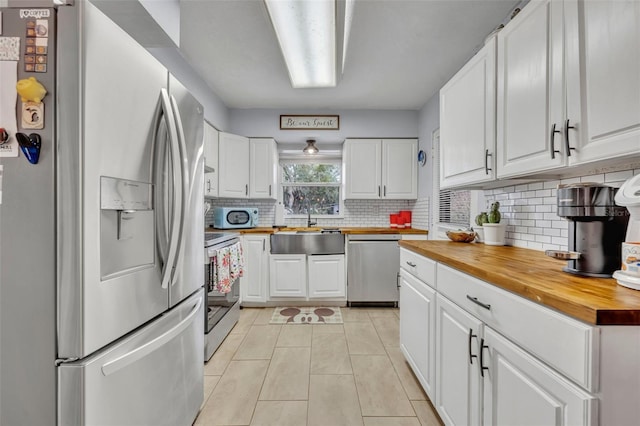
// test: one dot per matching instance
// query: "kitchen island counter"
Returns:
(532, 275)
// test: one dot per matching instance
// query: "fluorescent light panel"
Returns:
(306, 31)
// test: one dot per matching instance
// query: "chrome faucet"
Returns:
(309, 223)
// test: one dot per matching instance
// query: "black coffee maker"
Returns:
(597, 227)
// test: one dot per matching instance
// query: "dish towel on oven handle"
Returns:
(229, 266)
(223, 282)
(236, 265)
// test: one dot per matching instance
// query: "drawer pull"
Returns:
(479, 303)
(413, 265)
(482, 348)
(471, 355)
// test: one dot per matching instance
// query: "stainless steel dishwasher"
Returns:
(372, 273)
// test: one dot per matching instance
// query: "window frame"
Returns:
(339, 185)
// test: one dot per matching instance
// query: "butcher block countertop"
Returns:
(537, 277)
(344, 230)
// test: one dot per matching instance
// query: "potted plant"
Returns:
(481, 219)
(494, 230)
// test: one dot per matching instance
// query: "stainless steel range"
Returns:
(222, 310)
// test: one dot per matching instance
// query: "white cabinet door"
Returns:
(520, 390)
(417, 329)
(326, 276)
(254, 282)
(531, 91)
(467, 122)
(361, 167)
(210, 184)
(603, 82)
(210, 148)
(458, 385)
(400, 169)
(288, 275)
(233, 166)
(263, 162)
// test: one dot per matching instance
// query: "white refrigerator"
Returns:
(101, 275)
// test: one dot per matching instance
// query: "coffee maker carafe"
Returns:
(597, 227)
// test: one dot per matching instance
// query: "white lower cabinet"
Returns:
(519, 389)
(326, 276)
(499, 359)
(255, 279)
(458, 382)
(288, 275)
(417, 328)
(307, 277)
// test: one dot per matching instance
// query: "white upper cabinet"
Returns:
(603, 80)
(233, 166)
(210, 148)
(531, 109)
(380, 168)
(467, 122)
(210, 161)
(362, 173)
(263, 163)
(568, 85)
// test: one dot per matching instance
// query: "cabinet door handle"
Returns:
(264, 244)
(208, 185)
(378, 190)
(385, 190)
(486, 161)
(479, 303)
(471, 355)
(566, 137)
(246, 189)
(552, 144)
(398, 280)
(413, 265)
(482, 348)
(269, 190)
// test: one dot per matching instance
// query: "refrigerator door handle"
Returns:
(140, 352)
(164, 115)
(181, 160)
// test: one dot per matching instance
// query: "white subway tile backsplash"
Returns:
(531, 209)
(618, 176)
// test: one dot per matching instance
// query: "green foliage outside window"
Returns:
(311, 188)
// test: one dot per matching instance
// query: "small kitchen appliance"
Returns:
(629, 195)
(235, 217)
(597, 228)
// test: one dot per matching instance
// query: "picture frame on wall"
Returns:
(309, 122)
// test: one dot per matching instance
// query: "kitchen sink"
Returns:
(307, 242)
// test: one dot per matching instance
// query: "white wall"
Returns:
(353, 124)
(429, 120)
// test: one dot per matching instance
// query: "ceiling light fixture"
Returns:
(311, 34)
(311, 147)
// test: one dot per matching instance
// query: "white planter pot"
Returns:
(494, 233)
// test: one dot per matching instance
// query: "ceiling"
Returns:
(400, 52)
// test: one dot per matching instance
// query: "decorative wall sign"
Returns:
(309, 122)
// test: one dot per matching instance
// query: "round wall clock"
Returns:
(422, 158)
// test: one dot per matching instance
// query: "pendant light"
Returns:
(311, 148)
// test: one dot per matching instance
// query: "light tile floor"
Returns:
(319, 375)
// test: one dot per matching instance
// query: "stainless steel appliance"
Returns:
(235, 217)
(101, 286)
(223, 310)
(597, 227)
(372, 272)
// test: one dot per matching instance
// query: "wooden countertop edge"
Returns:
(576, 307)
(344, 230)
